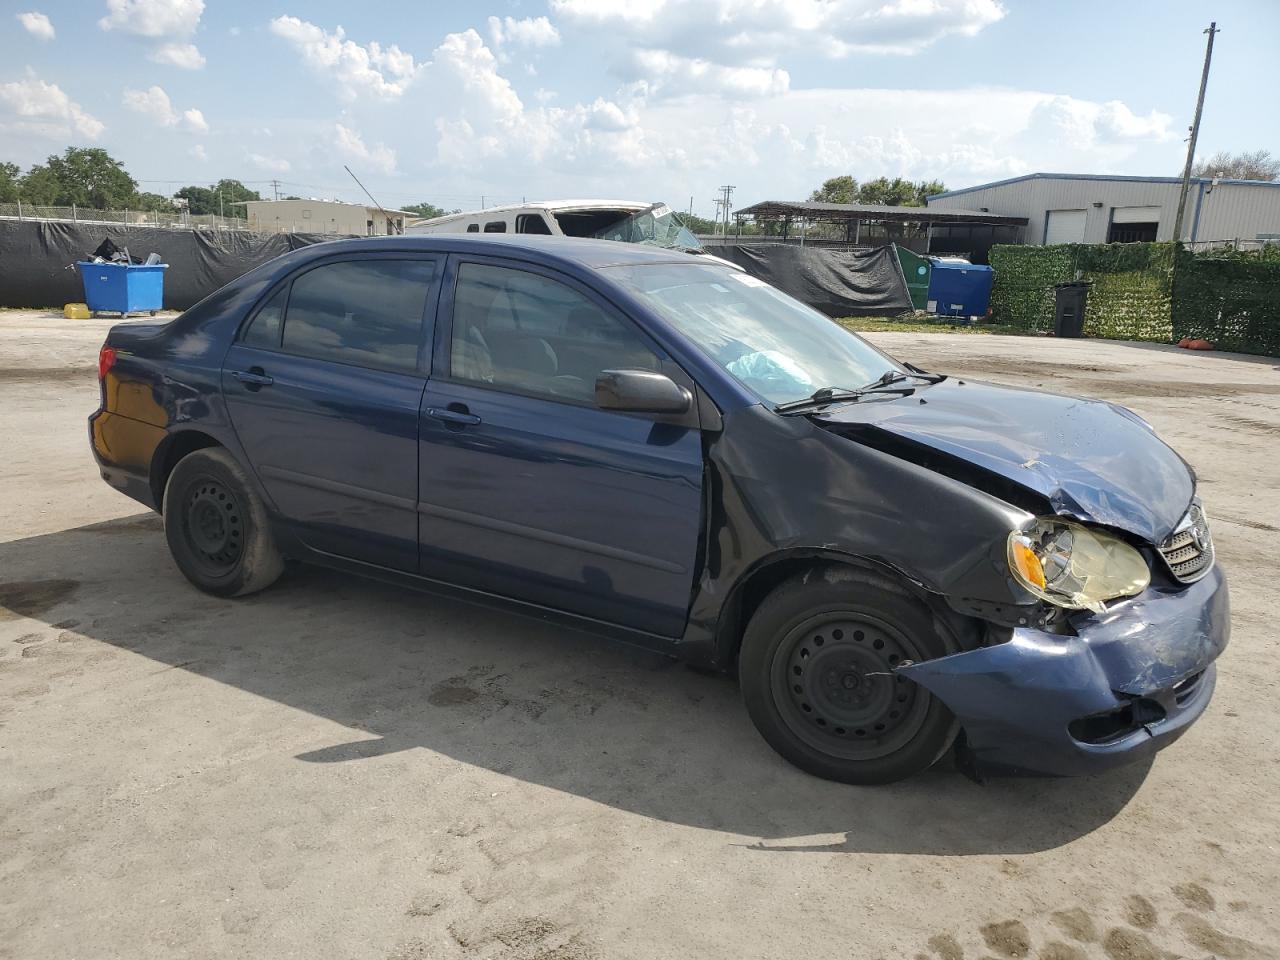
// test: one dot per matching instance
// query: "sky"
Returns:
(464, 103)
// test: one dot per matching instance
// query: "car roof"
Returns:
(543, 249)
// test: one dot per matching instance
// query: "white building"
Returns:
(323, 216)
(1082, 208)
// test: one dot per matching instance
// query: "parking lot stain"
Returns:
(946, 947)
(448, 694)
(30, 598)
(1139, 912)
(1194, 896)
(1123, 943)
(1008, 938)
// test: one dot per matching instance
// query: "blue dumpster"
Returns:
(120, 288)
(958, 288)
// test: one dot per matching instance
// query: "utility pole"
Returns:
(1195, 133)
(275, 186)
(726, 191)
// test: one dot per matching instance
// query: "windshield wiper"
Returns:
(828, 395)
(925, 374)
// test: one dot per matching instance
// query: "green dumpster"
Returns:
(915, 272)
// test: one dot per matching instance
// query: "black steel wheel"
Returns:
(213, 523)
(818, 674)
(217, 527)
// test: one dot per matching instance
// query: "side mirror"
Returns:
(641, 391)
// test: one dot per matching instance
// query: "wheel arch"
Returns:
(768, 573)
(172, 449)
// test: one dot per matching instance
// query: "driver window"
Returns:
(530, 334)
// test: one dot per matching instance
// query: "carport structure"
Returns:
(921, 229)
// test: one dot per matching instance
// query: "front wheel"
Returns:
(818, 674)
(217, 527)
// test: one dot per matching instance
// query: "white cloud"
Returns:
(370, 69)
(759, 31)
(198, 152)
(671, 74)
(351, 146)
(36, 24)
(155, 104)
(43, 109)
(529, 32)
(170, 21)
(153, 18)
(271, 164)
(184, 55)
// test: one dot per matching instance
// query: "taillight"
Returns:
(106, 360)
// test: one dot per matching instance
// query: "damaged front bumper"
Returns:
(1128, 684)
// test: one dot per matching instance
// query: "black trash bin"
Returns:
(1068, 308)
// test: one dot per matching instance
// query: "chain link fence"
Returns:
(130, 218)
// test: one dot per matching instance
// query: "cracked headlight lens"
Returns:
(1074, 566)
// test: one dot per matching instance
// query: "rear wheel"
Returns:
(818, 674)
(217, 527)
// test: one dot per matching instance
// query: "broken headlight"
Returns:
(1074, 566)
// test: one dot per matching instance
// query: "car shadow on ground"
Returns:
(526, 699)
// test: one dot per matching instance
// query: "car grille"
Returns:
(1188, 552)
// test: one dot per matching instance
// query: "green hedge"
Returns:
(1232, 301)
(1144, 291)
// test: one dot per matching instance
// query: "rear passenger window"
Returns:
(473, 228)
(364, 312)
(496, 226)
(532, 223)
(532, 334)
(264, 328)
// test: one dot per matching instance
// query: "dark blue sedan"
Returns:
(896, 564)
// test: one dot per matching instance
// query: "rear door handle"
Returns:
(453, 416)
(252, 378)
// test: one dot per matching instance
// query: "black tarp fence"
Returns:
(34, 258)
(840, 283)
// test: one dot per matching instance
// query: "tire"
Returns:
(217, 527)
(816, 670)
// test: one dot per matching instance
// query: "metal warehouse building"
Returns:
(1081, 208)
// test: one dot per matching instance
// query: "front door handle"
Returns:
(460, 417)
(253, 378)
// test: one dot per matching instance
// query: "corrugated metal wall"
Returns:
(1228, 211)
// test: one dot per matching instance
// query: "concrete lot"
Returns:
(337, 769)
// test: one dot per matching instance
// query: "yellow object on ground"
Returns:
(76, 311)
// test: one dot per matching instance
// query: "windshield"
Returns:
(774, 345)
(657, 226)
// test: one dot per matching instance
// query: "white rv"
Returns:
(629, 221)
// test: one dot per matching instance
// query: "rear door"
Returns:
(323, 387)
(526, 488)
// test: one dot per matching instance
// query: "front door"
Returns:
(526, 488)
(323, 387)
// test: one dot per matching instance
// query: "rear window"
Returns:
(363, 312)
(496, 226)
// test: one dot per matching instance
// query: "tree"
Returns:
(226, 198)
(895, 193)
(1258, 165)
(697, 224)
(8, 182)
(85, 176)
(427, 211)
(836, 190)
(151, 201)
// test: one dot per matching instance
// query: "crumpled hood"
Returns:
(1091, 460)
